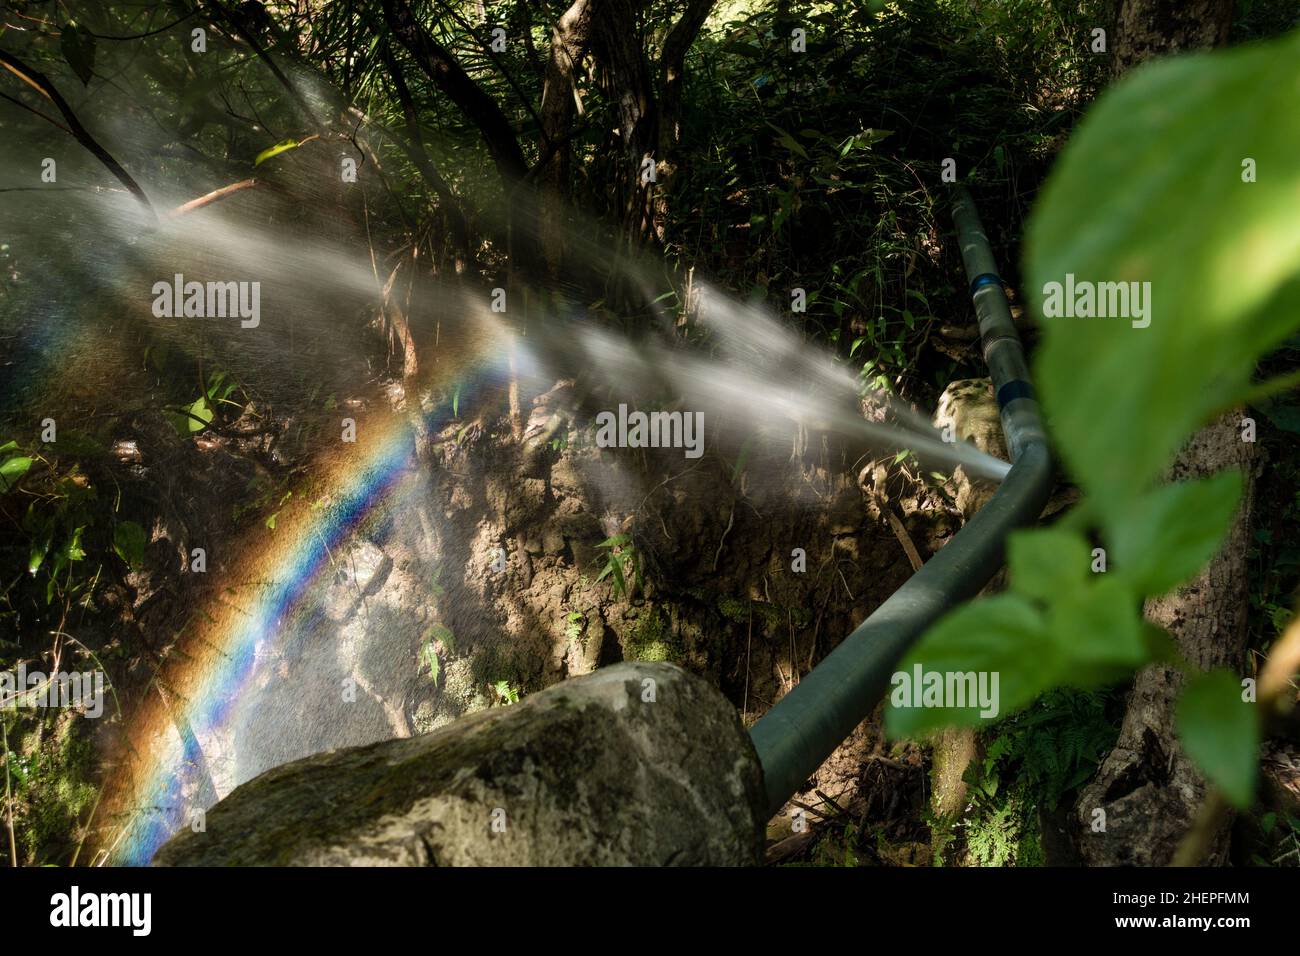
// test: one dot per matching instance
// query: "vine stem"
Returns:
(9, 800)
(39, 82)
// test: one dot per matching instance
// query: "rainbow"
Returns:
(152, 787)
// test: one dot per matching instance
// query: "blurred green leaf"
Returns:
(1097, 632)
(1003, 634)
(1173, 531)
(1220, 732)
(1048, 562)
(1148, 191)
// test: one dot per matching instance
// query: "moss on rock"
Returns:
(650, 637)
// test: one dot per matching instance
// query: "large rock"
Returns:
(639, 764)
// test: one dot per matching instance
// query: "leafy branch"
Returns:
(1144, 156)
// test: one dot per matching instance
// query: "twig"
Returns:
(214, 196)
(817, 625)
(803, 806)
(237, 24)
(790, 846)
(723, 540)
(149, 33)
(9, 800)
(828, 800)
(888, 761)
(844, 581)
(31, 109)
(794, 663)
(487, 48)
(749, 640)
(38, 81)
(680, 474)
(900, 532)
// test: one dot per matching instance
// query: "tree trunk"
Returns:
(452, 210)
(482, 110)
(1148, 789)
(672, 75)
(618, 47)
(1149, 28)
(569, 40)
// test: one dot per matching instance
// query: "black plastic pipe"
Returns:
(808, 723)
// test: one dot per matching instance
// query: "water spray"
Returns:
(807, 724)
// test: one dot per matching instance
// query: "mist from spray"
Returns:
(758, 375)
(328, 596)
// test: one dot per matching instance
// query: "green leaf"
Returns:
(40, 548)
(78, 48)
(1003, 634)
(12, 471)
(429, 660)
(869, 137)
(1098, 632)
(156, 356)
(441, 633)
(1220, 732)
(200, 414)
(72, 549)
(1148, 191)
(128, 543)
(789, 142)
(272, 151)
(39, 523)
(193, 417)
(741, 48)
(1045, 563)
(1173, 531)
(620, 583)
